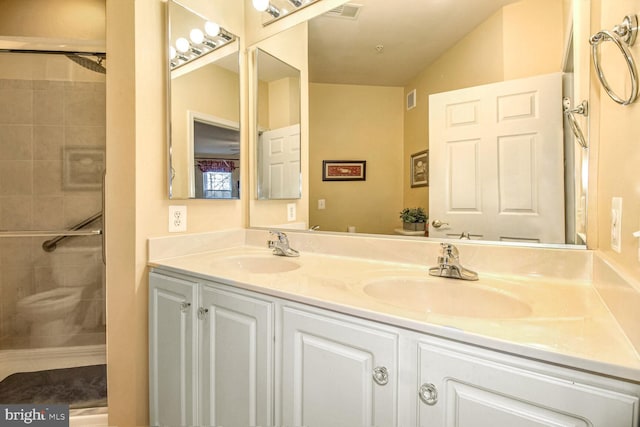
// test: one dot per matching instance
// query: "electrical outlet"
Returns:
(177, 219)
(321, 204)
(291, 211)
(616, 224)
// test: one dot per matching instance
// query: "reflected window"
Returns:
(217, 185)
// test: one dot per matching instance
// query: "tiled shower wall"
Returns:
(46, 126)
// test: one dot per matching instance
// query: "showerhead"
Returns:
(87, 63)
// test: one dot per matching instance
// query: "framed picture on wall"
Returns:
(344, 170)
(82, 168)
(420, 169)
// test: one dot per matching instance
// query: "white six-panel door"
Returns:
(496, 161)
(280, 167)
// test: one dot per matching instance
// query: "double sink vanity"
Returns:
(355, 332)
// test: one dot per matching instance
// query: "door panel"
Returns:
(280, 168)
(496, 161)
(479, 392)
(236, 359)
(327, 371)
(171, 347)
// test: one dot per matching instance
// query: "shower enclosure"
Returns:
(52, 159)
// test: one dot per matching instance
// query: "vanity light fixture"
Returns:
(183, 46)
(197, 36)
(198, 44)
(277, 9)
(266, 6)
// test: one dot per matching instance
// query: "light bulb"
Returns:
(182, 45)
(172, 52)
(212, 29)
(197, 36)
(261, 5)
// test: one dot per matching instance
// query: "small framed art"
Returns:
(420, 169)
(344, 170)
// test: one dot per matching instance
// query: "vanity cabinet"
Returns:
(222, 356)
(210, 353)
(337, 372)
(470, 387)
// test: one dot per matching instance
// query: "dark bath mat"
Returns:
(79, 387)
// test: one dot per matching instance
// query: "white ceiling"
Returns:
(413, 33)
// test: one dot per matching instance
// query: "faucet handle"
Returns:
(279, 234)
(449, 251)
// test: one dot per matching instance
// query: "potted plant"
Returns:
(413, 219)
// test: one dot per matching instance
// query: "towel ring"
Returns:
(622, 36)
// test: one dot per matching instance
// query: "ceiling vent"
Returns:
(346, 11)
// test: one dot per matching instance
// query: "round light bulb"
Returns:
(182, 45)
(172, 52)
(212, 29)
(261, 5)
(197, 36)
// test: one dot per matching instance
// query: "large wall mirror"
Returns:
(278, 127)
(372, 69)
(204, 108)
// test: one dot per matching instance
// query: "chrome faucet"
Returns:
(281, 245)
(449, 265)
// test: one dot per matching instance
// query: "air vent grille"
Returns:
(346, 11)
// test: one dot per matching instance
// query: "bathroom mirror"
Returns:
(204, 107)
(278, 139)
(366, 59)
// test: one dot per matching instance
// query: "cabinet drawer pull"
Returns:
(184, 306)
(381, 375)
(202, 313)
(428, 394)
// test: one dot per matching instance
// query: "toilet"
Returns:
(54, 315)
(50, 315)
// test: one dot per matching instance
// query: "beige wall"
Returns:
(356, 123)
(81, 20)
(615, 130)
(527, 50)
(284, 102)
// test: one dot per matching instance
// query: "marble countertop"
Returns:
(559, 321)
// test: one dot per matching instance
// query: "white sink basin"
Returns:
(446, 296)
(260, 263)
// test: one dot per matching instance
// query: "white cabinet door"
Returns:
(236, 364)
(172, 354)
(328, 366)
(475, 391)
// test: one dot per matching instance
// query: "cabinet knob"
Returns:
(428, 394)
(184, 306)
(381, 375)
(202, 313)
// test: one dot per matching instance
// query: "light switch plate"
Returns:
(616, 224)
(291, 211)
